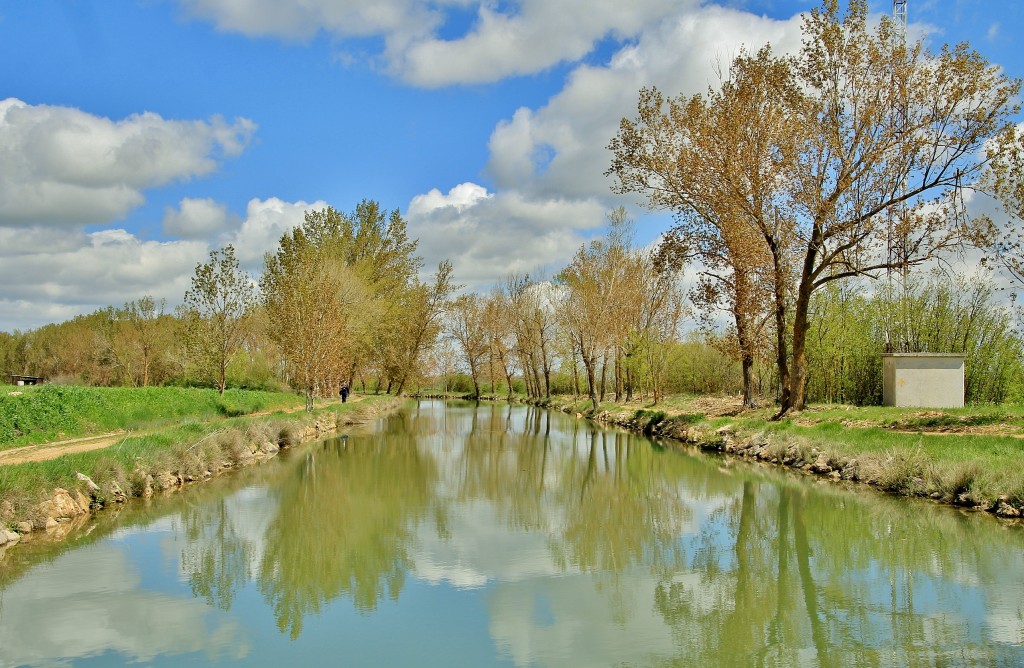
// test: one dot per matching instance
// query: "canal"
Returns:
(496, 535)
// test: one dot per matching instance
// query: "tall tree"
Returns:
(421, 313)
(900, 134)
(214, 313)
(140, 334)
(306, 297)
(874, 148)
(467, 325)
(500, 336)
(593, 285)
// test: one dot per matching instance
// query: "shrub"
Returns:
(901, 472)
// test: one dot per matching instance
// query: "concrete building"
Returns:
(927, 380)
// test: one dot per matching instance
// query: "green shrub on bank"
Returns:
(49, 412)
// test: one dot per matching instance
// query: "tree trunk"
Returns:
(618, 374)
(747, 364)
(798, 380)
(629, 381)
(746, 357)
(781, 353)
(591, 379)
(544, 366)
(575, 379)
(798, 395)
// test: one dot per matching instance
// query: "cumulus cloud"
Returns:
(197, 219)
(302, 20)
(83, 272)
(500, 40)
(60, 165)
(535, 36)
(548, 163)
(52, 275)
(560, 148)
(264, 224)
(489, 236)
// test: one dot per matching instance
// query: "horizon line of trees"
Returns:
(608, 325)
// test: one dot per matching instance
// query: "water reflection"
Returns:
(95, 605)
(580, 547)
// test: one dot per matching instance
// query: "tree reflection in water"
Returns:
(818, 578)
(343, 527)
(731, 565)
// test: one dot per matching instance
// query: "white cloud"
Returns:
(501, 40)
(487, 236)
(534, 37)
(60, 165)
(51, 275)
(197, 219)
(548, 164)
(458, 199)
(265, 222)
(303, 20)
(561, 147)
(83, 272)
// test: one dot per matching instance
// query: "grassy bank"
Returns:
(972, 456)
(39, 414)
(189, 450)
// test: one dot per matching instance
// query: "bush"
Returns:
(901, 472)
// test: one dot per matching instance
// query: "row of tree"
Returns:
(605, 322)
(340, 301)
(340, 298)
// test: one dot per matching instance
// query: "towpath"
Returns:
(41, 452)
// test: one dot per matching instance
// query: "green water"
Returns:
(508, 536)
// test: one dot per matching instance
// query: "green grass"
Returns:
(44, 413)
(190, 448)
(972, 469)
(907, 451)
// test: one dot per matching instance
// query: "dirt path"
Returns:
(44, 451)
(41, 452)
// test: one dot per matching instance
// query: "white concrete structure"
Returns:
(928, 380)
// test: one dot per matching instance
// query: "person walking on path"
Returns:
(344, 392)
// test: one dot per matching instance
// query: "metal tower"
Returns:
(896, 247)
(899, 16)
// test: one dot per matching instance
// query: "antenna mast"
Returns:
(899, 16)
(896, 251)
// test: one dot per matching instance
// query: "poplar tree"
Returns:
(215, 311)
(306, 298)
(468, 326)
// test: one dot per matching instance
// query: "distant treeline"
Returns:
(341, 302)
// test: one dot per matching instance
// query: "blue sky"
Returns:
(138, 135)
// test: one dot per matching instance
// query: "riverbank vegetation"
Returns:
(969, 456)
(193, 448)
(37, 414)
